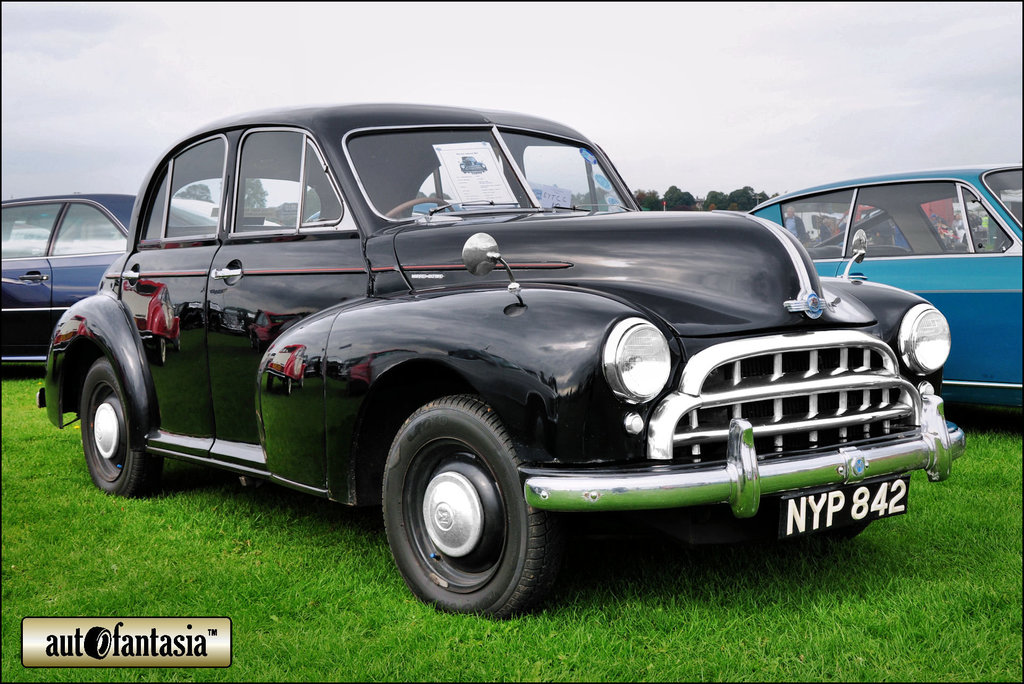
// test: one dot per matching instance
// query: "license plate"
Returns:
(807, 513)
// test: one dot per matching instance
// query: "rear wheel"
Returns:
(114, 467)
(457, 522)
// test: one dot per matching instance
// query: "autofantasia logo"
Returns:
(126, 642)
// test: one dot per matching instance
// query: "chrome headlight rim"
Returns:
(613, 373)
(908, 339)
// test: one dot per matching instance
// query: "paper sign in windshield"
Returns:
(473, 173)
(552, 195)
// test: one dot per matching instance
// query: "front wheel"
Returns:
(457, 522)
(114, 466)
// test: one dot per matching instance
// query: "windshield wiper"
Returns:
(592, 207)
(471, 203)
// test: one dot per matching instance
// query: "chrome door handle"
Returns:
(33, 277)
(225, 273)
(130, 275)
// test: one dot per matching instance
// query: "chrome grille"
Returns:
(809, 391)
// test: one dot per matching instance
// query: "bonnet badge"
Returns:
(809, 305)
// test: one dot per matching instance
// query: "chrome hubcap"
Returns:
(105, 430)
(453, 514)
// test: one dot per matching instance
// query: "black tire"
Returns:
(512, 562)
(114, 467)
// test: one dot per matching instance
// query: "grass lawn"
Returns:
(313, 594)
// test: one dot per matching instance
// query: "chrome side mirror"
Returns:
(480, 255)
(860, 250)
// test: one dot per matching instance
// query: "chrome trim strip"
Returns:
(867, 380)
(51, 257)
(771, 429)
(993, 385)
(743, 478)
(698, 368)
(39, 308)
(967, 292)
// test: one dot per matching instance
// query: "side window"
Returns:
(269, 180)
(26, 229)
(819, 222)
(197, 177)
(320, 204)
(285, 184)
(85, 230)
(986, 236)
(912, 218)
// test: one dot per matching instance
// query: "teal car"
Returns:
(952, 236)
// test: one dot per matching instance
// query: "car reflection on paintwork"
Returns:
(160, 329)
(288, 367)
(266, 326)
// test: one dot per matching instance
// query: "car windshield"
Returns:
(408, 174)
(1006, 186)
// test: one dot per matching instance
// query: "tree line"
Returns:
(675, 199)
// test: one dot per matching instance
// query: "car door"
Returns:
(289, 252)
(164, 288)
(918, 241)
(86, 241)
(27, 279)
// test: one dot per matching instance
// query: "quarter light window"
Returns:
(986, 236)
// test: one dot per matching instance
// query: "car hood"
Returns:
(705, 274)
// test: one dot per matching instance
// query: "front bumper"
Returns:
(743, 479)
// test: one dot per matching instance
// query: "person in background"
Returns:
(795, 225)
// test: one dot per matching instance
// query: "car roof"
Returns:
(345, 118)
(971, 172)
(120, 205)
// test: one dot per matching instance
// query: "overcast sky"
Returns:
(705, 96)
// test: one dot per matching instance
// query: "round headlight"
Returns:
(636, 360)
(924, 339)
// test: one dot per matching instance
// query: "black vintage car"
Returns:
(690, 368)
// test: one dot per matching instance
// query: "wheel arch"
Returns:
(388, 403)
(92, 328)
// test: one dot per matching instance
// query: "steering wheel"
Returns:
(396, 211)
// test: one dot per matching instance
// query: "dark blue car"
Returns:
(55, 251)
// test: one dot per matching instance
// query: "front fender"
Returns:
(538, 366)
(93, 327)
